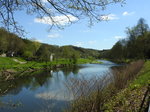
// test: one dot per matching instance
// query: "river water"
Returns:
(46, 91)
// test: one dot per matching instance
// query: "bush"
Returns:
(91, 95)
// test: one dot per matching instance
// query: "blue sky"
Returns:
(102, 35)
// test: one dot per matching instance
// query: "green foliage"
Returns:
(136, 46)
(16, 64)
(6, 61)
(96, 95)
(35, 51)
(130, 98)
(144, 77)
(28, 54)
(83, 61)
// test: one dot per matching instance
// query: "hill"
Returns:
(12, 45)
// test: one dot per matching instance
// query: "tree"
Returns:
(136, 46)
(142, 26)
(136, 39)
(117, 51)
(66, 52)
(75, 57)
(3, 41)
(3, 45)
(50, 10)
(139, 30)
(43, 53)
(16, 44)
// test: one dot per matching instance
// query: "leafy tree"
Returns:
(3, 41)
(28, 54)
(139, 30)
(142, 27)
(136, 46)
(35, 46)
(43, 53)
(15, 45)
(75, 57)
(117, 51)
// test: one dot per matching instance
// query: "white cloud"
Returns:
(79, 44)
(87, 43)
(35, 40)
(55, 35)
(127, 13)
(57, 95)
(109, 17)
(39, 40)
(59, 20)
(118, 37)
(45, 1)
(92, 42)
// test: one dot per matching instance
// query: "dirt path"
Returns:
(20, 62)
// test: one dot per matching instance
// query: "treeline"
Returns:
(12, 45)
(135, 46)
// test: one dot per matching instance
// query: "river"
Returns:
(46, 91)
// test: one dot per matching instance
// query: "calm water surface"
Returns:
(46, 91)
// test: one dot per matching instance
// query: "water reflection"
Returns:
(46, 90)
(57, 95)
(38, 79)
(15, 86)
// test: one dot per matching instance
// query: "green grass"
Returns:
(20, 59)
(9, 63)
(144, 77)
(83, 61)
(130, 98)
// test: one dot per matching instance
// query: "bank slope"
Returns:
(131, 98)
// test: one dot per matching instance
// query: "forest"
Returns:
(135, 46)
(13, 45)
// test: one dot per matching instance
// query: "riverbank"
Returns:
(131, 98)
(125, 92)
(12, 67)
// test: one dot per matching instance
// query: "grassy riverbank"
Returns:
(130, 98)
(125, 92)
(17, 65)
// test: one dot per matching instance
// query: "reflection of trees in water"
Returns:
(72, 69)
(30, 82)
(40, 79)
(33, 81)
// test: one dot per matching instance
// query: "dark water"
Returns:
(46, 91)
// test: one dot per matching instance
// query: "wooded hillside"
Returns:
(11, 44)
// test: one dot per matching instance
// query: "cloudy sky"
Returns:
(102, 35)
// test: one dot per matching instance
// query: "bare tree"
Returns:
(49, 10)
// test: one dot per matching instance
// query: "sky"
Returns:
(102, 35)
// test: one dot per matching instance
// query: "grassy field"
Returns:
(20, 64)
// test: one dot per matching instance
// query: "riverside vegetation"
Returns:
(11, 67)
(123, 90)
(135, 46)
(23, 55)
(126, 88)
